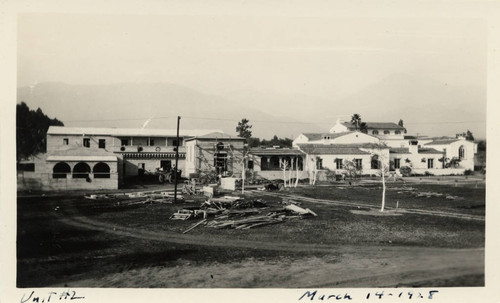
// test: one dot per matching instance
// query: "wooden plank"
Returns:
(195, 225)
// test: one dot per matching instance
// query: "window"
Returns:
(101, 170)
(461, 152)
(124, 142)
(102, 143)
(397, 163)
(398, 132)
(430, 163)
(250, 164)
(151, 142)
(375, 163)
(386, 132)
(61, 170)
(86, 142)
(174, 142)
(319, 163)
(65, 141)
(81, 171)
(374, 132)
(358, 163)
(26, 167)
(339, 164)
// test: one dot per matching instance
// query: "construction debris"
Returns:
(194, 225)
(133, 198)
(235, 212)
(300, 210)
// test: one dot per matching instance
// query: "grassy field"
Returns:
(137, 238)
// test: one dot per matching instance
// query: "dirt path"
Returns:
(357, 266)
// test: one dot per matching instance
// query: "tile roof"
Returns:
(319, 136)
(216, 135)
(376, 125)
(275, 151)
(399, 150)
(442, 141)
(333, 149)
(429, 151)
(131, 132)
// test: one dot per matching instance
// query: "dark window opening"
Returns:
(65, 141)
(375, 163)
(375, 132)
(250, 164)
(339, 164)
(461, 152)
(26, 167)
(81, 171)
(397, 163)
(102, 143)
(86, 142)
(386, 132)
(124, 142)
(398, 132)
(166, 165)
(101, 170)
(358, 163)
(61, 170)
(319, 163)
(151, 142)
(430, 163)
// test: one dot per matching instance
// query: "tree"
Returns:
(31, 131)
(467, 135)
(243, 129)
(383, 169)
(275, 141)
(356, 121)
(363, 127)
(253, 142)
(351, 170)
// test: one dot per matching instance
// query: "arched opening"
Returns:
(61, 170)
(101, 170)
(461, 152)
(81, 171)
(375, 132)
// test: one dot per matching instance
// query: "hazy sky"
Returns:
(319, 56)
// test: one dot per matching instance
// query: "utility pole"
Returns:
(176, 159)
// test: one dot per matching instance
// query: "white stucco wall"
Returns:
(452, 151)
(355, 138)
(300, 139)
(338, 128)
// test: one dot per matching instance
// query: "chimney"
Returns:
(413, 146)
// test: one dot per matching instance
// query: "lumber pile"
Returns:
(236, 213)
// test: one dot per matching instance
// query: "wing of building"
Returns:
(107, 158)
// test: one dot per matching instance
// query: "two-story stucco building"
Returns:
(103, 158)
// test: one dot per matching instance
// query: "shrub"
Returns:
(405, 171)
(429, 173)
(468, 172)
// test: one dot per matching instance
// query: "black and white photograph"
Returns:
(324, 151)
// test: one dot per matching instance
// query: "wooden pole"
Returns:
(176, 159)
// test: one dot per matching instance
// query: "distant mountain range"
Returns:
(415, 100)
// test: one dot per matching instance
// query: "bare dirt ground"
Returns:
(77, 246)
